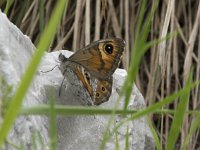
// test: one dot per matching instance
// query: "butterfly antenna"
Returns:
(50, 69)
(61, 86)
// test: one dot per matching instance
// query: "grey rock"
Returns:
(74, 132)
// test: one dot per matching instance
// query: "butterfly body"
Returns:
(93, 67)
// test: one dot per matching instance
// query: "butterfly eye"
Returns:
(97, 95)
(103, 88)
(109, 48)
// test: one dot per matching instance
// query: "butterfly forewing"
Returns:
(97, 60)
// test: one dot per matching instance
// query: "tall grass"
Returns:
(15, 104)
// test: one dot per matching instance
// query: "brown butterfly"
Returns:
(94, 66)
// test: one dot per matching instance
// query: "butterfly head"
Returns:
(62, 58)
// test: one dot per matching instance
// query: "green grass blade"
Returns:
(110, 122)
(53, 132)
(8, 4)
(127, 138)
(117, 147)
(44, 109)
(138, 50)
(132, 70)
(11, 144)
(44, 43)
(194, 126)
(40, 140)
(154, 133)
(33, 139)
(178, 117)
(140, 18)
(22, 146)
(157, 41)
(65, 110)
(154, 107)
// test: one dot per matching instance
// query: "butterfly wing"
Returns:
(103, 91)
(99, 90)
(94, 66)
(100, 58)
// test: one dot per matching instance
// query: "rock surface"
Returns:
(74, 132)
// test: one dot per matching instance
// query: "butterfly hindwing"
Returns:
(103, 91)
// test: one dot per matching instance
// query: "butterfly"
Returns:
(91, 68)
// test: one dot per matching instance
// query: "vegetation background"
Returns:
(164, 68)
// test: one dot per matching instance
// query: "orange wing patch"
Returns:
(85, 82)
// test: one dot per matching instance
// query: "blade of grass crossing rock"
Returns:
(34, 139)
(74, 110)
(110, 122)
(40, 140)
(178, 117)
(53, 132)
(153, 108)
(127, 88)
(127, 138)
(138, 50)
(154, 133)
(44, 43)
(117, 147)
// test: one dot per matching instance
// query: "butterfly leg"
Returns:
(61, 86)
